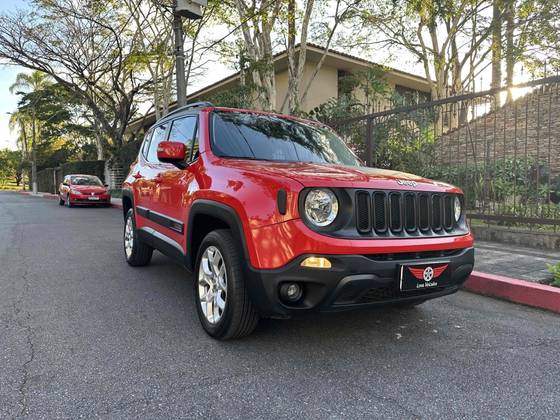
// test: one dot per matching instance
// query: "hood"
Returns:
(323, 175)
(88, 189)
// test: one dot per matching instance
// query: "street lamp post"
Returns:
(191, 9)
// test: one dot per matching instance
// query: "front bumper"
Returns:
(354, 281)
(85, 199)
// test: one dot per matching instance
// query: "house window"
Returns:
(408, 96)
(346, 83)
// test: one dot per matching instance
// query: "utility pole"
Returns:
(179, 59)
(33, 154)
(191, 9)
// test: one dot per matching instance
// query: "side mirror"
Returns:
(172, 152)
(106, 185)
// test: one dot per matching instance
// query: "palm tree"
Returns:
(31, 82)
(28, 83)
(19, 120)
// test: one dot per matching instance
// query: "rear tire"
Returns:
(221, 298)
(136, 252)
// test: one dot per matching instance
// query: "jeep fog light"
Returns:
(321, 207)
(316, 262)
(457, 208)
(291, 292)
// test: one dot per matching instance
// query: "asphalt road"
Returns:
(82, 334)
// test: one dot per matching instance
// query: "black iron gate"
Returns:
(501, 146)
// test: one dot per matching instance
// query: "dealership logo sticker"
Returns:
(429, 273)
(407, 183)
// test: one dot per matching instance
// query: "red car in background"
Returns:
(83, 190)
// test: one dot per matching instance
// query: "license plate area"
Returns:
(93, 198)
(424, 276)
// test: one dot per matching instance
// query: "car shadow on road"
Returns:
(381, 324)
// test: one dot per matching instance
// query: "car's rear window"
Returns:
(269, 137)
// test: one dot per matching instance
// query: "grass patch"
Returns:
(10, 186)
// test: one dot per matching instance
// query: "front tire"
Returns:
(222, 301)
(68, 202)
(136, 252)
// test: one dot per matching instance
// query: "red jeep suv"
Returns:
(277, 217)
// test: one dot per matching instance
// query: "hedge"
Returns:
(86, 167)
(45, 177)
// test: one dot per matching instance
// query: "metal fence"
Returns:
(501, 146)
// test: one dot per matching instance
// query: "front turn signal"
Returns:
(316, 262)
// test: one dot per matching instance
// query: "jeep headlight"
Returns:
(457, 208)
(321, 207)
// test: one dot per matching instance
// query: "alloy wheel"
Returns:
(128, 237)
(212, 284)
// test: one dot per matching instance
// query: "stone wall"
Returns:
(522, 237)
(529, 126)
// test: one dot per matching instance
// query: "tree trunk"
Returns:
(510, 46)
(496, 49)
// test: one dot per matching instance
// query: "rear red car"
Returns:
(276, 217)
(84, 190)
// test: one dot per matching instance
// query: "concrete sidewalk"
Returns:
(517, 262)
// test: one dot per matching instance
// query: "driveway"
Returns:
(84, 335)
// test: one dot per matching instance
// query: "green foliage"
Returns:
(236, 97)
(404, 144)
(10, 167)
(51, 114)
(127, 153)
(89, 167)
(516, 187)
(337, 109)
(555, 271)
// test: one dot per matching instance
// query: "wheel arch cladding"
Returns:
(127, 202)
(206, 216)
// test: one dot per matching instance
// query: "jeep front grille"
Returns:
(404, 213)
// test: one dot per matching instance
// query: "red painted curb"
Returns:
(518, 291)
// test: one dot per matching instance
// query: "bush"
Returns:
(555, 270)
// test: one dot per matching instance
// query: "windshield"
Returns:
(86, 180)
(269, 137)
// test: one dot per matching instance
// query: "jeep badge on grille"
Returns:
(406, 182)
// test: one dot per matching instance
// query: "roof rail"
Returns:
(187, 106)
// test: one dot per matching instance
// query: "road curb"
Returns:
(514, 290)
(40, 195)
(55, 197)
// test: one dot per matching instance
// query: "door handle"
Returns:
(137, 175)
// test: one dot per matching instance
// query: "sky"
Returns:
(8, 102)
